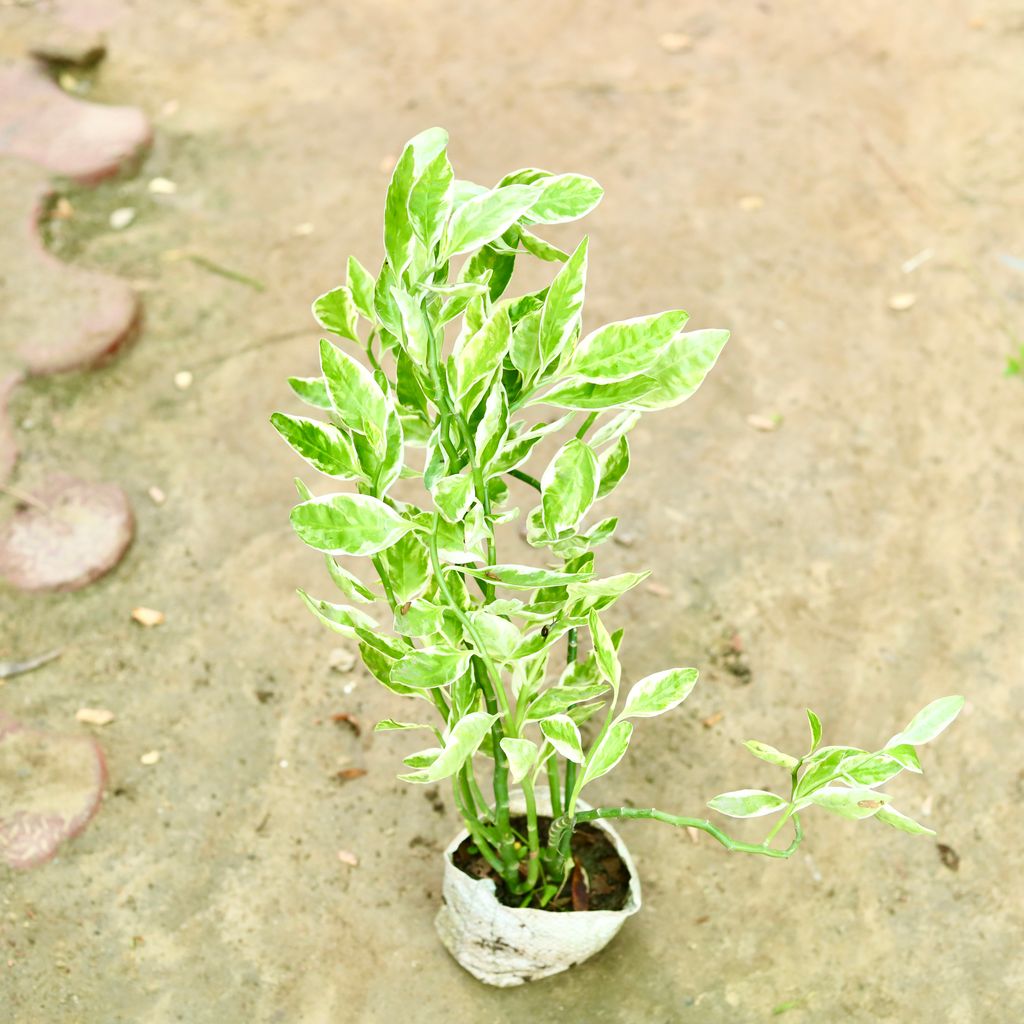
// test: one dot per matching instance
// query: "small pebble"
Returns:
(658, 590)
(624, 540)
(303, 229)
(341, 660)
(765, 423)
(150, 757)
(349, 858)
(183, 380)
(94, 716)
(162, 187)
(675, 42)
(122, 217)
(902, 301)
(170, 108)
(148, 616)
(750, 203)
(156, 495)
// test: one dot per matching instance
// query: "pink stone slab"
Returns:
(84, 141)
(8, 442)
(56, 317)
(52, 787)
(80, 532)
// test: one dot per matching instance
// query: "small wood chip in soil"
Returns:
(148, 616)
(765, 423)
(347, 774)
(349, 858)
(94, 716)
(343, 717)
(580, 895)
(949, 857)
(712, 720)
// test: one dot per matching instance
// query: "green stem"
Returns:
(526, 478)
(570, 766)
(532, 834)
(587, 424)
(555, 785)
(562, 828)
(473, 827)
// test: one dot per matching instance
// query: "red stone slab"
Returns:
(76, 533)
(52, 787)
(56, 317)
(84, 141)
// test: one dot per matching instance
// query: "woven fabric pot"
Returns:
(508, 946)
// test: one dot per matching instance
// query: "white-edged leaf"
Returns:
(499, 636)
(522, 756)
(341, 618)
(747, 803)
(355, 395)
(561, 314)
(681, 368)
(427, 668)
(815, 725)
(312, 391)
(563, 198)
(430, 199)
(564, 735)
(526, 577)
(625, 348)
(460, 745)
(604, 651)
(569, 486)
(899, 820)
(929, 722)
(348, 524)
(848, 802)
(768, 753)
(335, 311)
(390, 725)
(362, 285)
(486, 216)
(608, 753)
(322, 445)
(453, 496)
(660, 692)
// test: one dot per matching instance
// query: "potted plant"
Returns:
(538, 880)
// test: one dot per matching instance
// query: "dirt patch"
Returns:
(599, 880)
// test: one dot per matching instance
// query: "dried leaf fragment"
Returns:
(148, 616)
(94, 716)
(712, 720)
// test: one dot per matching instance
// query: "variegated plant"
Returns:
(467, 636)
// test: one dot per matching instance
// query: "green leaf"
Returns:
(322, 445)
(899, 820)
(604, 651)
(516, 449)
(430, 200)
(461, 744)
(348, 524)
(576, 393)
(540, 248)
(486, 216)
(351, 586)
(569, 486)
(355, 395)
(612, 464)
(390, 725)
(608, 753)
(419, 618)
(526, 577)
(564, 735)
(422, 758)
(492, 430)
(499, 636)
(815, 723)
(525, 348)
(312, 391)
(848, 803)
(407, 563)
(615, 428)
(681, 368)
(480, 357)
(600, 593)
(563, 198)
(339, 617)
(335, 311)
(304, 492)
(453, 496)
(747, 803)
(522, 756)
(561, 313)
(415, 331)
(427, 668)
(624, 349)
(906, 756)
(873, 771)
(929, 722)
(398, 236)
(361, 284)
(659, 692)
(560, 699)
(768, 753)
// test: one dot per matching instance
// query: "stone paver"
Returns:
(53, 786)
(77, 532)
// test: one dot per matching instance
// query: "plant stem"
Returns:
(526, 478)
(561, 829)
(473, 827)
(570, 766)
(555, 785)
(587, 424)
(532, 834)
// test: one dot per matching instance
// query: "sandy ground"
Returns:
(868, 552)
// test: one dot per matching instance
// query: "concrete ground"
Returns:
(772, 175)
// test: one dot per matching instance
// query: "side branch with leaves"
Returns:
(467, 635)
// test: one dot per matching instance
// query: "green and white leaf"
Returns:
(768, 753)
(428, 668)
(624, 349)
(564, 735)
(608, 752)
(361, 284)
(563, 198)
(747, 803)
(900, 821)
(681, 368)
(338, 617)
(312, 391)
(486, 216)
(453, 496)
(460, 745)
(322, 445)
(569, 486)
(335, 311)
(848, 802)
(929, 722)
(355, 395)
(348, 524)
(561, 314)
(658, 693)
(522, 756)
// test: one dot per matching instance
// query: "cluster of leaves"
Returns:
(449, 366)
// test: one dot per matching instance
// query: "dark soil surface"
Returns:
(599, 880)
